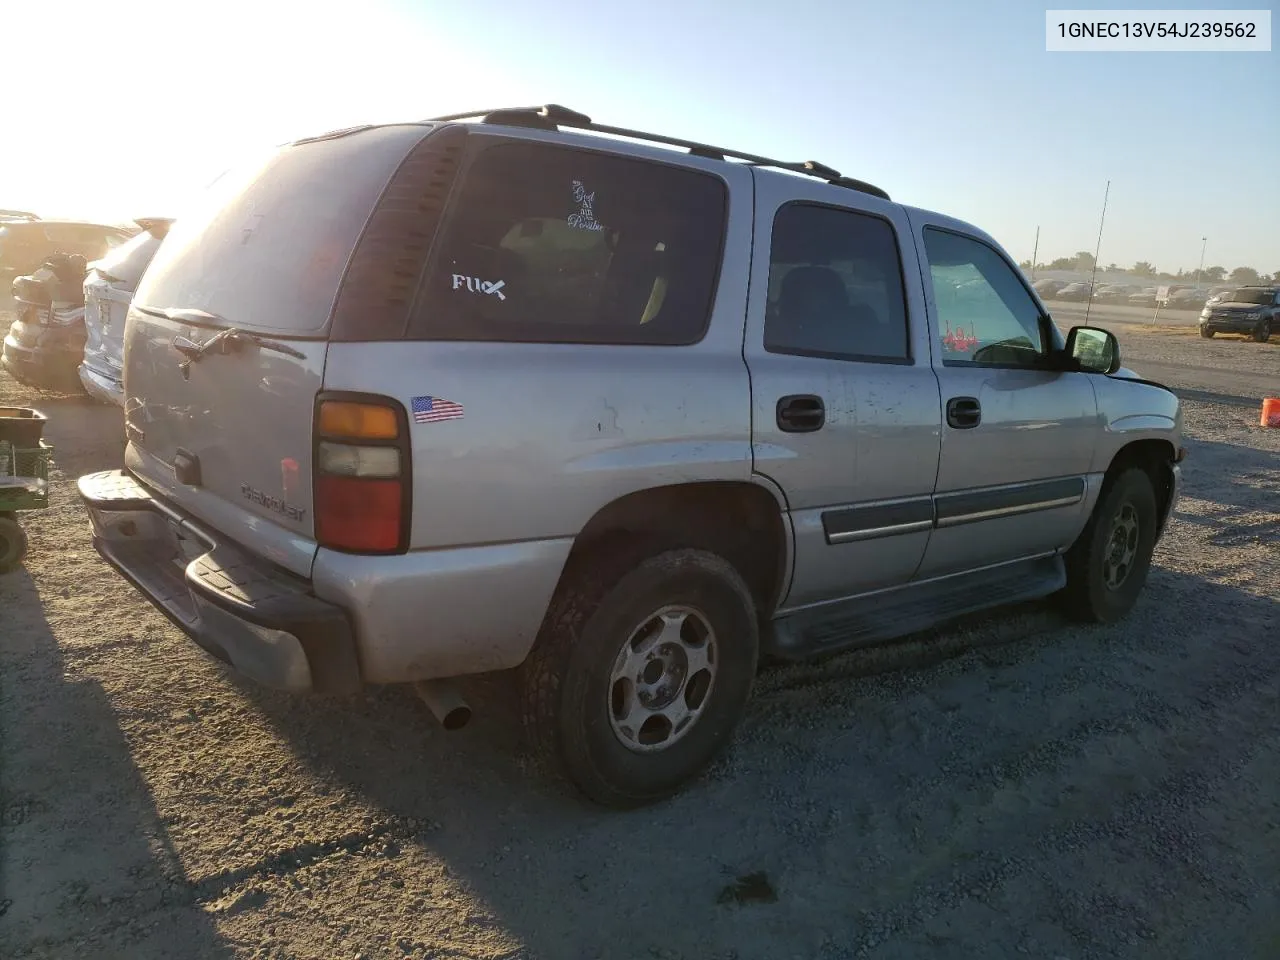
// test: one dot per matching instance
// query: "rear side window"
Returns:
(835, 286)
(550, 244)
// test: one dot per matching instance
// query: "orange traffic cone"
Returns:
(1271, 412)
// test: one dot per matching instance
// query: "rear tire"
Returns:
(1107, 566)
(13, 543)
(641, 672)
(1262, 332)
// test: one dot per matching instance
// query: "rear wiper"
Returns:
(227, 338)
(232, 336)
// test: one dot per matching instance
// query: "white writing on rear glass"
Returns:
(585, 218)
(476, 285)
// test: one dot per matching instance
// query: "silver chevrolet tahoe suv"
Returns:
(415, 401)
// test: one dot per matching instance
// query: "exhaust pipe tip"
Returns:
(457, 718)
(445, 703)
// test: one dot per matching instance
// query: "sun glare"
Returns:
(167, 100)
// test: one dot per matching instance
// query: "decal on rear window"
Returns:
(476, 285)
(585, 218)
(525, 218)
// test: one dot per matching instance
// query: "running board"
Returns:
(887, 615)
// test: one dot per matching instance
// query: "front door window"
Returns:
(986, 317)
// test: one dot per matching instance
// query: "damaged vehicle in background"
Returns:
(44, 344)
(24, 243)
(108, 291)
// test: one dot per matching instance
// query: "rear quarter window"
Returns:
(553, 244)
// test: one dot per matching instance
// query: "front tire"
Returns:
(13, 543)
(1262, 332)
(1107, 566)
(638, 680)
(1206, 333)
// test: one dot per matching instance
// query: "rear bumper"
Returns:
(40, 367)
(101, 387)
(262, 621)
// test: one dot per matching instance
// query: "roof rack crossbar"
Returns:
(554, 115)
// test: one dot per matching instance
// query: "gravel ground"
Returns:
(1011, 786)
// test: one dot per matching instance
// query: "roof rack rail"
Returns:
(553, 116)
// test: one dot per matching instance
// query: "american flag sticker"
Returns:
(435, 409)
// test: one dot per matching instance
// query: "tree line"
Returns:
(1083, 262)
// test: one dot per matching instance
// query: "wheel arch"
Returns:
(1154, 456)
(745, 522)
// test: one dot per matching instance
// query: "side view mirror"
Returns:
(1093, 350)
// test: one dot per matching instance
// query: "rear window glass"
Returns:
(129, 260)
(264, 247)
(551, 244)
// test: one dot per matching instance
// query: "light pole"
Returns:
(1204, 241)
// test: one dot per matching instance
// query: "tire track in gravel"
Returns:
(1151, 820)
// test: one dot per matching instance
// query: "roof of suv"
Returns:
(553, 117)
(576, 128)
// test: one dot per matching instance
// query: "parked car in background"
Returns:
(43, 346)
(1188, 298)
(1146, 297)
(1217, 293)
(1048, 288)
(108, 290)
(1078, 292)
(1114, 293)
(1253, 311)
(332, 439)
(24, 244)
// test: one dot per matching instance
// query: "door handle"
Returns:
(801, 413)
(963, 413)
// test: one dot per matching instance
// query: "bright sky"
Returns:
(953, 106)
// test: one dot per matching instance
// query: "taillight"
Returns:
(362, 483)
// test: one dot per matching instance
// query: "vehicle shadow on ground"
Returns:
(86, 866)
(850, 806)
(1206, 396)
(1242, 480)
(86, 435)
